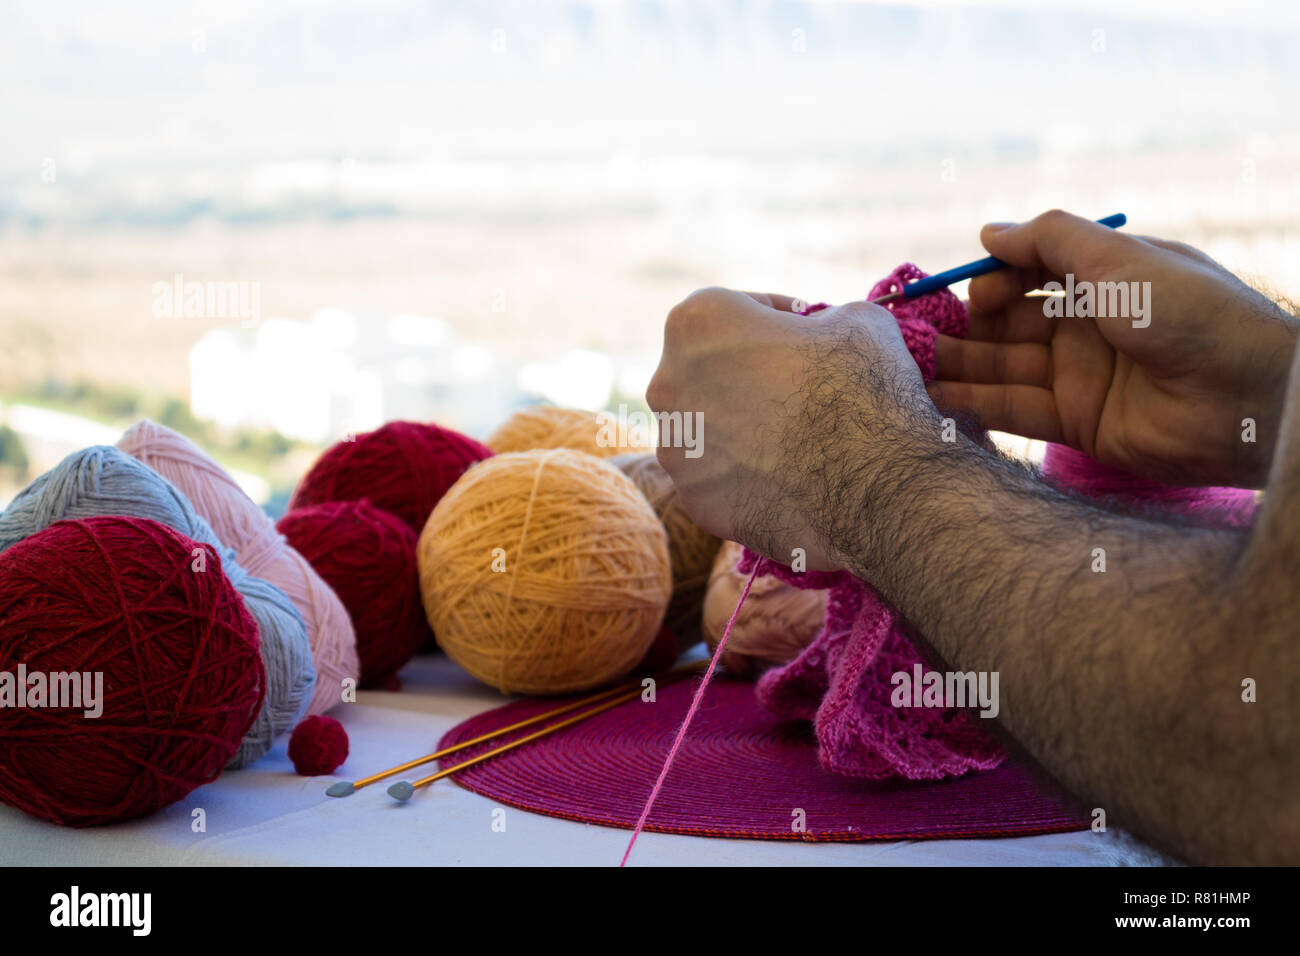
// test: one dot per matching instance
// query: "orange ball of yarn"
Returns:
(691, 550)
(775, 624)
(545, 426)
(544, 572)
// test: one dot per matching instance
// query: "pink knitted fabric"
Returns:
(1074, 471)
(842, 680)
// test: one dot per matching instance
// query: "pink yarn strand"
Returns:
(695, 704)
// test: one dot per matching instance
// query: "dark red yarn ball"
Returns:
(404, 468)
(662, 655)
(318, 746)
(178, 651)
(368, 557)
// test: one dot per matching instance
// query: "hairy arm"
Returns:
(1126, 684)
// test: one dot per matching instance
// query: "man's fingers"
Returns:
(997, 290)
(1057, 241)
(1021, 320)
(705, 305)
(1024, 410)
(992, 363)
(782, 303)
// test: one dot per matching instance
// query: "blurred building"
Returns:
(347, 371)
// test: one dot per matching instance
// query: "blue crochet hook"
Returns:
(970, 270)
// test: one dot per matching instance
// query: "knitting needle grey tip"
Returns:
(401, 790)
(343, 788)
(887, 298)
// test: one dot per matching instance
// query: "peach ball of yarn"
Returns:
(262, 551)
(544, 572)
(545, 426)
(775, 624)
(691, 550)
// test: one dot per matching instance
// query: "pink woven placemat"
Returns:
(741, 772)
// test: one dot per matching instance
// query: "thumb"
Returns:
(1053, 241)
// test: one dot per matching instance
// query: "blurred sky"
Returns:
(589, 163)
(161, 111)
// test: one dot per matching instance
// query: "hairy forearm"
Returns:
(1125, 683)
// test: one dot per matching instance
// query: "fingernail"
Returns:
(998, 226)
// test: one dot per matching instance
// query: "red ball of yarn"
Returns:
(318, 746)
(368, 557)
(662, 655)
(182, 679)
(403, 467)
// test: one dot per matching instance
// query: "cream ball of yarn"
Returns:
(545, 426)
(691, 550)
(544, 572)
(776, 623)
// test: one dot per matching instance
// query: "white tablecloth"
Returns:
(267, 815)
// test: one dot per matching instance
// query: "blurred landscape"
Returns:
(452, 209)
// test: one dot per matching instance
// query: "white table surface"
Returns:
(267, 815)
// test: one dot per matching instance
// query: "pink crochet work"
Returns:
(841, 681)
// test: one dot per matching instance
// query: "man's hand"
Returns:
(798, 412)
(1165, 401)
(1124, 680)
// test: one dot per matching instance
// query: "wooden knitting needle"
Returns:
(403, 790)
(345, 788)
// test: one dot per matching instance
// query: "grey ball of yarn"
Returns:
(102, 480)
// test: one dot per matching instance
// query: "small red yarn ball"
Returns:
(404, 468)
(368, 557)
(177, 651)
(318, 746)
(662, 655)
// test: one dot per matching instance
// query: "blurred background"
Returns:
(270, 223)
